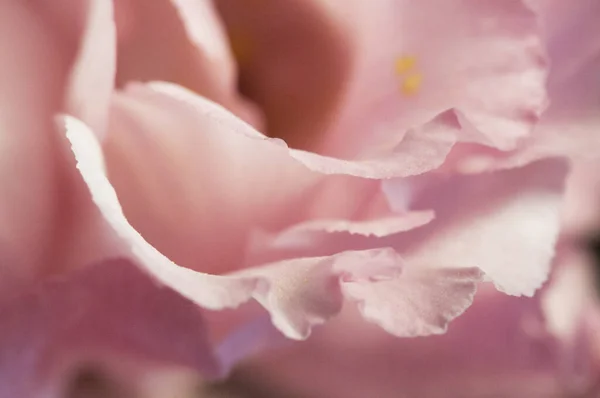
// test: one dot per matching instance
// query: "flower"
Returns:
(221, 198)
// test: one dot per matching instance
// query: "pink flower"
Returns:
(502, 346)
(391, 110)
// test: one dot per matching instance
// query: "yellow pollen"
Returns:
(411, 84)
(405, 64)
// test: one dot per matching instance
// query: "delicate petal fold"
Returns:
(194, 180)
(182, 42)
(423, 148)
(498, 347)
(107, 309)
(208, 290)
(298, 293)
(506, 223)
(378, 227)
(420, 303)
(570, 124)
(306, 291)
(92, 76)
(415, 59)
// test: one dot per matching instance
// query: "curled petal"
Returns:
(298, 293)
(423, 148)
(92, 77)
(182, 42)
(194, 180)
(415, 59)
(420, 303)
(506, 223)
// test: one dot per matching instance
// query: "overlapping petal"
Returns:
(164, 138)
(181, 42)
(498, 347)
(506, 223)
(108, 310)
(261, 175)
(408, 62)
(92, 77)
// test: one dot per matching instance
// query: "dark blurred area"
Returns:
(594, 250)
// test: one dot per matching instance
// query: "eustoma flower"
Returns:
(347, 170)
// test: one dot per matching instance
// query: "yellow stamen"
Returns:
(405, 64)
(411, 84)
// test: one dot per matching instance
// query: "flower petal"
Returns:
(378, 227)
(497, 348)
(105, 309)
(92, 77)
(225, 178)
(415, 59)
(201, 288)
(420, 303)
(423, 148)
(569, 125)
(182, 42)
(30, 95)
(298, 293)
(506, 223)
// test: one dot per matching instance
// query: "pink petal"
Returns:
(378, 227)
(322, 237)
(420, 303)
(93, 73)
(298, 293)
(272, 41)
(506, 223)
(569, 125)
(497, 348)
(422, 149)
(182, 42)
(31, 79)
(581, 213)
(214, 292)
(104, 310)
(306, 291)
(225, 179)
(413, 60)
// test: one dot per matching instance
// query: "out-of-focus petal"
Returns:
(294, 61)
(182, 42)
(373, 227)
(104, 311)
(92, 76)
(569, 301)
(506, 223)
(85, 32)
(570, 125)
(496, 348)
(581, 213)
(32, 75)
